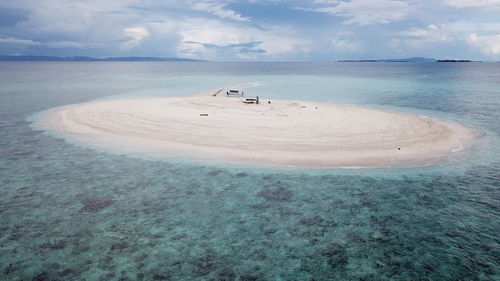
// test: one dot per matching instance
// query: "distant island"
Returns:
(413, 59)
(357, 61)
(80, 58)
(454, 61)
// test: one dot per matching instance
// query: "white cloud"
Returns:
(432, 33)
(217, 9)
(335, 2)
(488, 44)
(53, 44)
(70, 44)
(77, 24)
(343, 44)
(483, 27)
(57, 16)
(452, 30)
(365, 12)
(481, 36)
(274, 42)
(486, 4)
(18, 41)
(219, 32)
(137, 34)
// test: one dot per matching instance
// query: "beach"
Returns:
(287, 133)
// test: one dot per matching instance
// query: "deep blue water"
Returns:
(71, 212)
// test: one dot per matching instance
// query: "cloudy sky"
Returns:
(229, 30)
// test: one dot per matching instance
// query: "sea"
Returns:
(70, 211)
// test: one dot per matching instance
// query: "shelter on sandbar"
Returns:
(252, 100)
(234, 93)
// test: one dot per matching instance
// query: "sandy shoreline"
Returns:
(282, 133)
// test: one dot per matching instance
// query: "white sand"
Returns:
(283, 133)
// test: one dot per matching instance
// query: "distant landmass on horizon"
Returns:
(130, 59)
(413, 59)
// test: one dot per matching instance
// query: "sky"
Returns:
(253, 30)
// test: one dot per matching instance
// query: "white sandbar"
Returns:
(283, 133)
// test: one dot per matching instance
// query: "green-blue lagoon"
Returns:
(75, 212)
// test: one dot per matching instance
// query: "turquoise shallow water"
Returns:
(70, 212)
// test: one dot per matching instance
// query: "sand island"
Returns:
(273, 132)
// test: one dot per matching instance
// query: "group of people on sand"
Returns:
(257, 100)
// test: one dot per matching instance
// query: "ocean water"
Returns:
(72, 212)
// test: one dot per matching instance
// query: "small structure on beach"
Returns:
(252, 100)
(234, 93)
